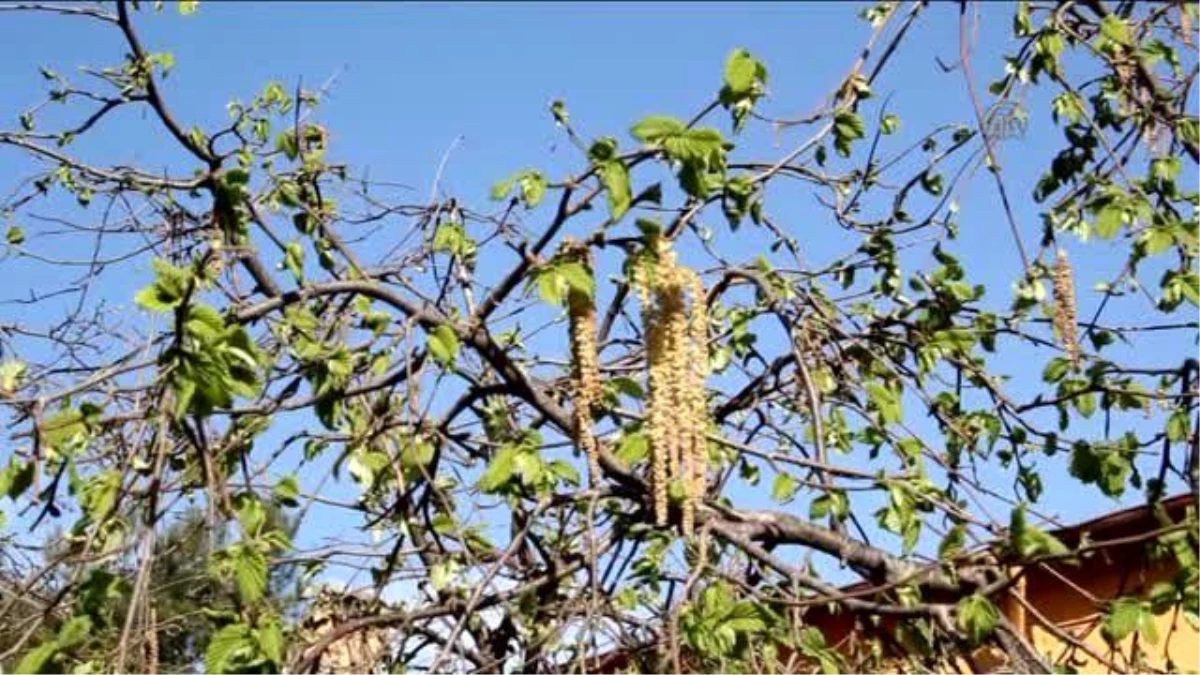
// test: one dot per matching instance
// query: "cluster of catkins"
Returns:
(1065, 319)
(675, 317)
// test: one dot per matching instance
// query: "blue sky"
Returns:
(411, 78)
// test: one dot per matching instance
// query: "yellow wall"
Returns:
(1068, 597)
(1073, 600)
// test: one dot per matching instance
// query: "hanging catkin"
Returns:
(581, 309)
(1065, 319)
(658, 414)
(676, 331)
(697, 403)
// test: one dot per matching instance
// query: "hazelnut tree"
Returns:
(563, 414)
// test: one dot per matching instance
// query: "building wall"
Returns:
(1071, 598)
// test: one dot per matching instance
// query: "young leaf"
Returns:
(784, 488)
(229, 649)
(287, 490)
(977, 617)
(41, 659)
(530, 183)
(271, 643)
(12, 373)
(250, 572)
(1178, 426)
(293, 260)
(15, 236)
(615, 176)
(847, 128)
(657, 128)
(1128, 616)
(444, 345)
(500, 471)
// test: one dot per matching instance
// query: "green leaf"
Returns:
(444, 345)
(628, 386)
(500, 471)
(564, 471)
(559, 110)
(451, 237)
(615, 177)
(1178, 426)
(745, 618)
(784, 488)
(99, 493)
(1127, 616)
(551, 286)
(63, 427)
(831, 503)
(271, 643)
(578, 279)
(442, 575)
(501, 189)
(288, 144)
(741, 71)
(657, 128)
(230, 649)
(603, 150)
(1085, 404)
(1109, 221)
(532, 185)
(633, 447)
(16, 478)
(287, 491)
(415, 457)
(75, 631)
(250, 572)
(12, 373)
(977, 617)
(886, 400)
(889, 124)
(558, 279)
(293, 260)
(953, 543)
(533, 189)
(1030, 542)
(41, 659)
(170, 287)
(745, 82)
(1155, 240)
(933, 183)
(1056, 370)
(188, 7)
(847, 128)
(15, 236)
(1068, 105)
(1106, 467)
(1166, 168)
(1115, 29)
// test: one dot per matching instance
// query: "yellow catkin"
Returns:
(1065, 318)
(675, 323)
(677, 356)
(657, 421)
(581, 309)
(697, 402)
(587, 378)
